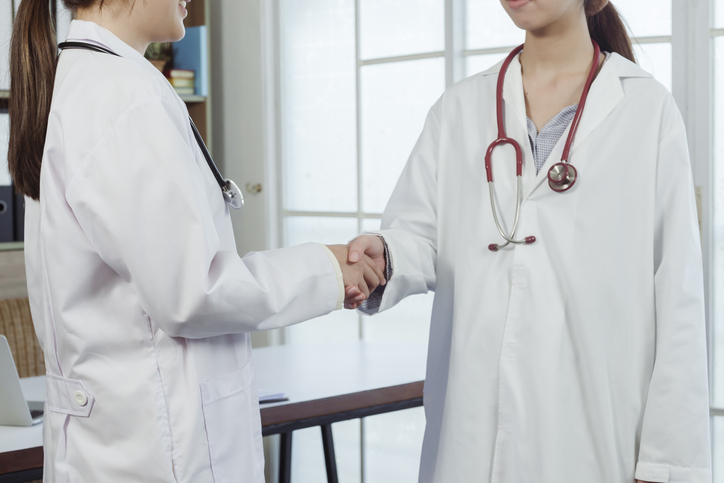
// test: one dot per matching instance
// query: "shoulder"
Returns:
(644, 94)
(103, 85)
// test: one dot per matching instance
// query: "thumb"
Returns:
(357, 247)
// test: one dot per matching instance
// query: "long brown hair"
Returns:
(33, 54)
(607, 28)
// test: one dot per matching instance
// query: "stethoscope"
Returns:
(561, 176)
(232, 193)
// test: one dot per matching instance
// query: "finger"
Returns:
(357, 247)
(378, 270)
(364, 288)
(351, 291)
(371, 277)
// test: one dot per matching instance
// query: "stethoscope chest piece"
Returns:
(232, 195)
(562, 177)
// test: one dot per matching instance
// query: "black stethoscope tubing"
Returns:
(232, 194)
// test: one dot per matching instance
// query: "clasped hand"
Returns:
(363, 263)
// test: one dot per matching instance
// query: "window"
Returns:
(356, 79)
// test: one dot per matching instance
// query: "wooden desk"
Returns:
(325, 384)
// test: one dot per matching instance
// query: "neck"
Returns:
(564, 47)
(119, 23)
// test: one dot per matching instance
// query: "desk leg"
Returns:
(285, 458)
(329, 459)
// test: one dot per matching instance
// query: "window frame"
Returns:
(691, 39)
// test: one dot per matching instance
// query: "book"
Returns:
(179, 74)
(184, 91)
(6, 27)
(191, 53)
(177, 82)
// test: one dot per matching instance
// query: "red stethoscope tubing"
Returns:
(559, 185)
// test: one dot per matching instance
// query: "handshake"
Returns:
(363, 267)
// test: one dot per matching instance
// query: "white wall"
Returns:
(238, 129)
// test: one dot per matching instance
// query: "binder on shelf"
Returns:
(6, 27)
(19, 216)
(191, 53)
(7, 214)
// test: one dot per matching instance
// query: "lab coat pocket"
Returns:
(233, 426)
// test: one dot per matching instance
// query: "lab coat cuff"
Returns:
(340, 279)
(662, 473)
(372, 304)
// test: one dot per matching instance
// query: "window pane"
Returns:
(340, 324)
(395, 100)
(646, 17)
(718, 13)
(389, 28)
(393, 443)
(656, 59)
(308, 455)
(717, 330)
(480, 63)
(318, 105)
(488, 26)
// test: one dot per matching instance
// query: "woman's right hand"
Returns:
(369, 245)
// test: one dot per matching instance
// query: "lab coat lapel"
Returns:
(605, 94)
(516, 125)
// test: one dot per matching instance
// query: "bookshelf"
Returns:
(200, 107)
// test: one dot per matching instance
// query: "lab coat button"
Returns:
(80, 398)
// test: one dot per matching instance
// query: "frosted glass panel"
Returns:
(318, 105)
(389, 28)
(646, 17)
(308, 456)
(480, 63)
(489, 26)
(656, 59)
(718, 449)
(340, 324)
(395, 101)
(717, 330)
(393, 443)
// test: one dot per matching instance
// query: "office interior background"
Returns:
(318, 103)
(321, 102)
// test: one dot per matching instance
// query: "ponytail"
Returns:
(32, 73)
(607, 28)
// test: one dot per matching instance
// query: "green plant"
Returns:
(160, 51)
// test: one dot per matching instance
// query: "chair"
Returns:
(17, 325)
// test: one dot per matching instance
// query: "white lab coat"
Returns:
(140, 300)
(582, 357)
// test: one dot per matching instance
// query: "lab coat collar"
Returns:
(605, 94)
(84, 31)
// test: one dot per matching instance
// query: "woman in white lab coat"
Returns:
(580, 357)
(139, 298)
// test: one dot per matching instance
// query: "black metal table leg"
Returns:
(285, 458)
(329, 459)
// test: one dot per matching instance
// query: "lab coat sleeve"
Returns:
(409, 223)
(142, 199)
(675, 444)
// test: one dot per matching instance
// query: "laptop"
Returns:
(14, 409)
